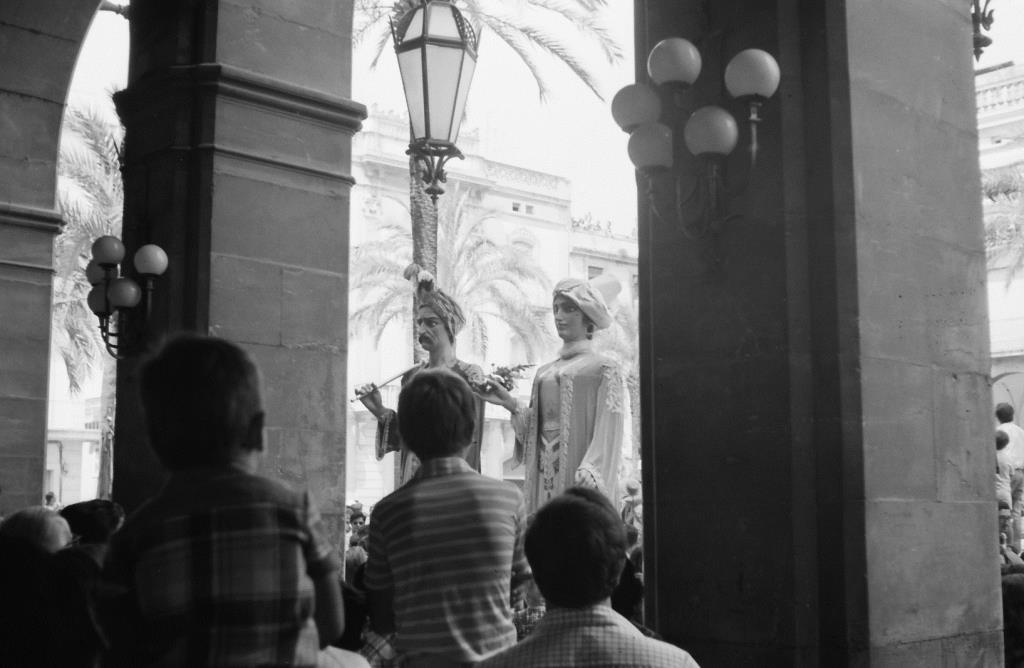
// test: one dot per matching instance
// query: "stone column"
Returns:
(238, 137)
(39, 43)
(817, 438)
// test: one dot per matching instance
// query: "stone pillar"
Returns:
(238, 134)
(817, 436)
(39, 43)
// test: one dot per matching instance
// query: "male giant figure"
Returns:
(438, 321)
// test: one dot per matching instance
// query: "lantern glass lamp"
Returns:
(112, 294)
(437, 51)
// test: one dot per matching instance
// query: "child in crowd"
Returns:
(445, 550)
(223, 567)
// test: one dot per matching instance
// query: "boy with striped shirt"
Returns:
(446, 549)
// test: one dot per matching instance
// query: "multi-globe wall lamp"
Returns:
(710, 132)
(436, 50)
(112, 292)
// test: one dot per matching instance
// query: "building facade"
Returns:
(1000, 92)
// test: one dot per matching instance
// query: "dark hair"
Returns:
(1004, 412)
(1002, 440)
(200, 395)
(436, 414)
(93, 521)
(576, 546)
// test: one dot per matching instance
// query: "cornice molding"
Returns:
(33, 218)
(240, 84)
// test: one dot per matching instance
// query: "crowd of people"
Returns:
(226, 567)
(1009, 488)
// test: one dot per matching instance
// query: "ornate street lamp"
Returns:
(436, 50)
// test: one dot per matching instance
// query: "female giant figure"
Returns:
(571, 432)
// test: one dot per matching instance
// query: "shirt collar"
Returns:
(439, 466)
(594, 615)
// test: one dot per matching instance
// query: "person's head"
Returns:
(578, 309)
(38, 526)
(439, 318)
(201, 398)
(357, 520)
(93, 521)
(632, 535)
(576, 546)
(1002, 440)
(1004, 413)
(50, 498)
(436, 414)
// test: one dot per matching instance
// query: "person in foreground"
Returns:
(576, 546)
(445, 550)
(222, 567)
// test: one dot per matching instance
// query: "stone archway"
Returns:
(39, 44)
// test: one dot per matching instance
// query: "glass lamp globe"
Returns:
(97, 301)
(94, 273)
(107, 250)
(752, 72)
(674, 60)
(635, 105)
(650, 147)
(123, 293)
(150, 260)
(711, 130)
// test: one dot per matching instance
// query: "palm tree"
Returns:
(530, 28)
(90, 198)
(491, 282)
(1004, 220)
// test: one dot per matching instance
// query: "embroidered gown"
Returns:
(572, 432)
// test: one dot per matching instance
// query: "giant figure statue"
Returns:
(572, 431)
(439, 319)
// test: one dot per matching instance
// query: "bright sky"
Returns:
(572, 134)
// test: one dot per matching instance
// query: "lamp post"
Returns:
(436, 50)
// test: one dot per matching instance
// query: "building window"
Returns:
(529, 208)
(593, 271)
(515, 206)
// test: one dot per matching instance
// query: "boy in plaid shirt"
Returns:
(222, 567)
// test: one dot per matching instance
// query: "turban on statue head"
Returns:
(443, 306)
(587, 295)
